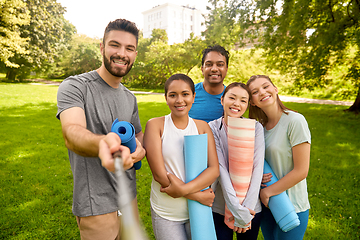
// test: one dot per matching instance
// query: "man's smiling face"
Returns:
(214, 68)
(119, 52)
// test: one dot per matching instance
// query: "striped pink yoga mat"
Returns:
(241, 141)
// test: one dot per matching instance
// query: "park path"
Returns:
(318, 101)
(286, 99)
(283, 98)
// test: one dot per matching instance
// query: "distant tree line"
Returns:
(302, 40)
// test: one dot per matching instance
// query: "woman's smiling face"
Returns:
(263, 92)
(235, 102)
(179, 97)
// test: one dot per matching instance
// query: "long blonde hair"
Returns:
(257, 113)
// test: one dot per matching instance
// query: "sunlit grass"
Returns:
(36, 179)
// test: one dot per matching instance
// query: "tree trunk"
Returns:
(356, 106)
(11, 74)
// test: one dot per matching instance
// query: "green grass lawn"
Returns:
(36, 179)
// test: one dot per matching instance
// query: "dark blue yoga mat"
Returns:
(196, 161)
(126, 132)
(281, 207)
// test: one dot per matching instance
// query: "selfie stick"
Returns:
(130, 226)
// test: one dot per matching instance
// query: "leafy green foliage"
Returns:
(80, 55)
(220, 23)
(304, 40)
(311, 46)
(157, 61)
(47, 30)
(159, 35)
(307, 39)
(245, 63)
(13, 14)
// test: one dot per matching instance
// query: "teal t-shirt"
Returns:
(206, 107)
(291, 130)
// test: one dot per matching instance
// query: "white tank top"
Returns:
(173, 209)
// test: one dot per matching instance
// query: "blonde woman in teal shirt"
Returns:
(287, 150)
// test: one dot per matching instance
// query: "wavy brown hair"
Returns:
(257, 113)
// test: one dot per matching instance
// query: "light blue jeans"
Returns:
(271, 231)
(165, 229)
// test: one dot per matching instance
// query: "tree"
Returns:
(221, 27)
(143, 47)
(157, 61)
(80, 55)
(148, 70)
(47, 30)
(13, 14)
(309, 38)
(158, 34)
(189, 53)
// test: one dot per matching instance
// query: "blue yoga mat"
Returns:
(126, 132)
(196, 161)
(281, 207)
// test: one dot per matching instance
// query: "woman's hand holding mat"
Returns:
(241, 142)
(280, 206)
(196, 159)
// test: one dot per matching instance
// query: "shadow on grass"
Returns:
(36, 179)
(333, 179)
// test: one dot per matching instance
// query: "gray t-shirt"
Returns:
(94, 190)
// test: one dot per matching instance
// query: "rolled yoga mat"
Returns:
(241, 141)
(196, 161)
(280, 206)
(126, 132)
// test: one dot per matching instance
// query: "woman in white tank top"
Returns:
(163, 141)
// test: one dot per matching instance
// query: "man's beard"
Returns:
(115, 71)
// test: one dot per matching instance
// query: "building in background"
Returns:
(178, 21)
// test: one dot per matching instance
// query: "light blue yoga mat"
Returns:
(196, 160)
(281, 207)
(126, 132)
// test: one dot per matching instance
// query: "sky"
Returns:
(91, 17)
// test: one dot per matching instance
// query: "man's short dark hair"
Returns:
(122, 25)
(215, 48)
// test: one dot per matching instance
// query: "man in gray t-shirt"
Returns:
(87, 106)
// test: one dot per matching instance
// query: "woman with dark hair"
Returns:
(246, 215)
(164, 142)
(287, 150)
